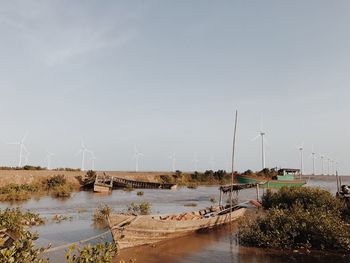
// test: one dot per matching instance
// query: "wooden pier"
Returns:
(106, 183)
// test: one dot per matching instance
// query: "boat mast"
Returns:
(233, 160)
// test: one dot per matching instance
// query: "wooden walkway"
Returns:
(107, 183)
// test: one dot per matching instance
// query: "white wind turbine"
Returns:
(48, 159)
(137, 156)
(83, 150)
(262, 135)
(313, 155)
(173, 161)
(328, 165)
(92, 159)
(322, 164)
(301, 149)
(22, 150)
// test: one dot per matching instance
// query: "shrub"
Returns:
(101, 213)
(23, 250)
(103, 252)
(143, 208)
(296, 228)
(55, 181)
(308, 197)
(298, 217)
(62, 191)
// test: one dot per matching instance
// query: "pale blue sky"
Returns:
(167, 76)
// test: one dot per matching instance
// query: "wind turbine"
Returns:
(22, 148)
(261, 134)
(313, 155)
(328, 166)
(332, 167)
(173, 161)
(195, 162)
(322, 164)
(301, 149)
(83, 150)
(137, 155)
(48, 159)
(92, 159)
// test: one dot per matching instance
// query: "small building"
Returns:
(287, 173)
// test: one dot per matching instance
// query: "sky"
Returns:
(167, 76)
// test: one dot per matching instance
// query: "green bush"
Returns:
(308, 197)
(101, 253)
(55, 181)
(298, 217)
(296, 228)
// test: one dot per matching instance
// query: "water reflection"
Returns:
(217, 245)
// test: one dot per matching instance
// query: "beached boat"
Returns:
(137, 230)
(285, 177)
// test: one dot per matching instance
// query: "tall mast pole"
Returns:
(233, 160)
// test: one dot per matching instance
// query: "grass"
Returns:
(56, 185)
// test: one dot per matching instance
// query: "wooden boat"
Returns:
(285, 177)
(137, 230)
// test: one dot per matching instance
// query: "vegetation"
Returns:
(67, 169)
(299, 217)
(190, 204)
(56, 185)
(60, 218)
(128, 188)
(266, 172)
(101, 213)
(140, 193)
(209, 177)
(143, 208)
(100, 253)
(26, 167)
(16, 242)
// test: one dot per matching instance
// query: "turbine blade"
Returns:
(256, 137)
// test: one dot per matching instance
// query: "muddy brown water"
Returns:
(217, 245)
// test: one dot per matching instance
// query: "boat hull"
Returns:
(267, 182)
(130, 231)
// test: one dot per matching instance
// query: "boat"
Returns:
(130, 230)
(285, 177)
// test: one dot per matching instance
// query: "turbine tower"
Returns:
(48, 159)
(322, 164)
(313, 155)
(137, 155)
(262, 135)
(328, 165)
(83, 150)
(22, 149)
(92, 159)
(173, 161)
(301, 149)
